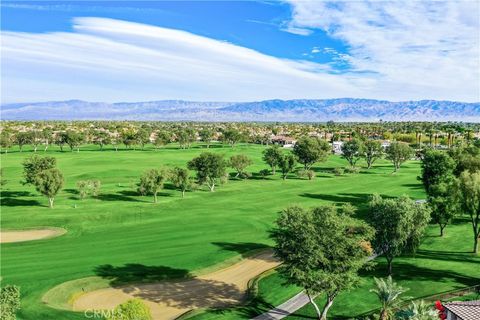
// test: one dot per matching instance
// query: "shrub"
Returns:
(133, 309)
(338, 171)
(309, 174)
(264, 172)
(353, 170)
(9, 302)
(88, 187)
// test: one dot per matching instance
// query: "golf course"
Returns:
(97, 252)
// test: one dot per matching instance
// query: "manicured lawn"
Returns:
(176, 236)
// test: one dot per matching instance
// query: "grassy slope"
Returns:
(172, 238)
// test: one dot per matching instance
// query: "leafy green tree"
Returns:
(231, 136)
(287, 165)
(466, 158)
(47, 136)
(162, 138)
(272, 156)
(443, 204)
(309, 174)
(210, 168)
(372, 152)
(185, 137)
(142, 137)
(49, 182)
(134, 309)
(33, 165)
(129, 138)
(74, 139)
(88, 187)
(9, 302)
(240, 162)
(22, 139)
(388, 293)
(6, 140)
(468, 196)
(398, 153)
(206, 135)
(101, 138)
(399, 224)
(352, 151)
(321, 251)
(151, 183)
(181, 179)
(61, 139)
(311, 150)
(437, 167)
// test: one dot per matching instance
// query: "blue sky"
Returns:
(239, 50)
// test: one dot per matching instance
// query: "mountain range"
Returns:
(301, 110)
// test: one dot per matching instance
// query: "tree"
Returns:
(151, 183)
(9, 302)
(35, 139)
(437, 167)
(22, 138)
(33, 165)
(101, 138)
(287, 165)
(210, 168)
(185, 137)
(352, 151)
(321, 251)
(49, 183)
(133, 309)
(61, 139)
(311, 150)
(74, 139)
(443, 204)
(388, 293)
(272, 156)
(162, 138)
(129, 138)
(398, 153)
(206, 135)
(47, 135)
(231, 136)
(240, 162)
(468, 196)
(88, 187)
(181, 179)
(5, 140)
(372, 152)
(399, 225)
(142, 137)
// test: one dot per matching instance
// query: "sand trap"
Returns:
(170, 299)
(28, 235)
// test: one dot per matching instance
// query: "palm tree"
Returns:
(418, 311)
(388, 292)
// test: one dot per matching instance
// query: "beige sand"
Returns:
(170, 299)
(27, 235)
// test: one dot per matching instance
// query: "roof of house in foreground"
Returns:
(466, 310)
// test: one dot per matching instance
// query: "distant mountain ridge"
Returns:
(300, 110)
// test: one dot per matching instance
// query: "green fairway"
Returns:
(128, 236)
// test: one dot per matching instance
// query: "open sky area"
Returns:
(239, 50)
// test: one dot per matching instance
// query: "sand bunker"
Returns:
(28, 235)
(170, 299)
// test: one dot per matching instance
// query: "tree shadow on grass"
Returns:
(448, 256)
(403, 271)
(11, 199)
(139, 273)
(243, 248)
(120, 196)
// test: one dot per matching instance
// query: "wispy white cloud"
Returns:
(410, 47)
(106, 59)
(112, 60)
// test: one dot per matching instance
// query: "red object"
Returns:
(441, 310)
